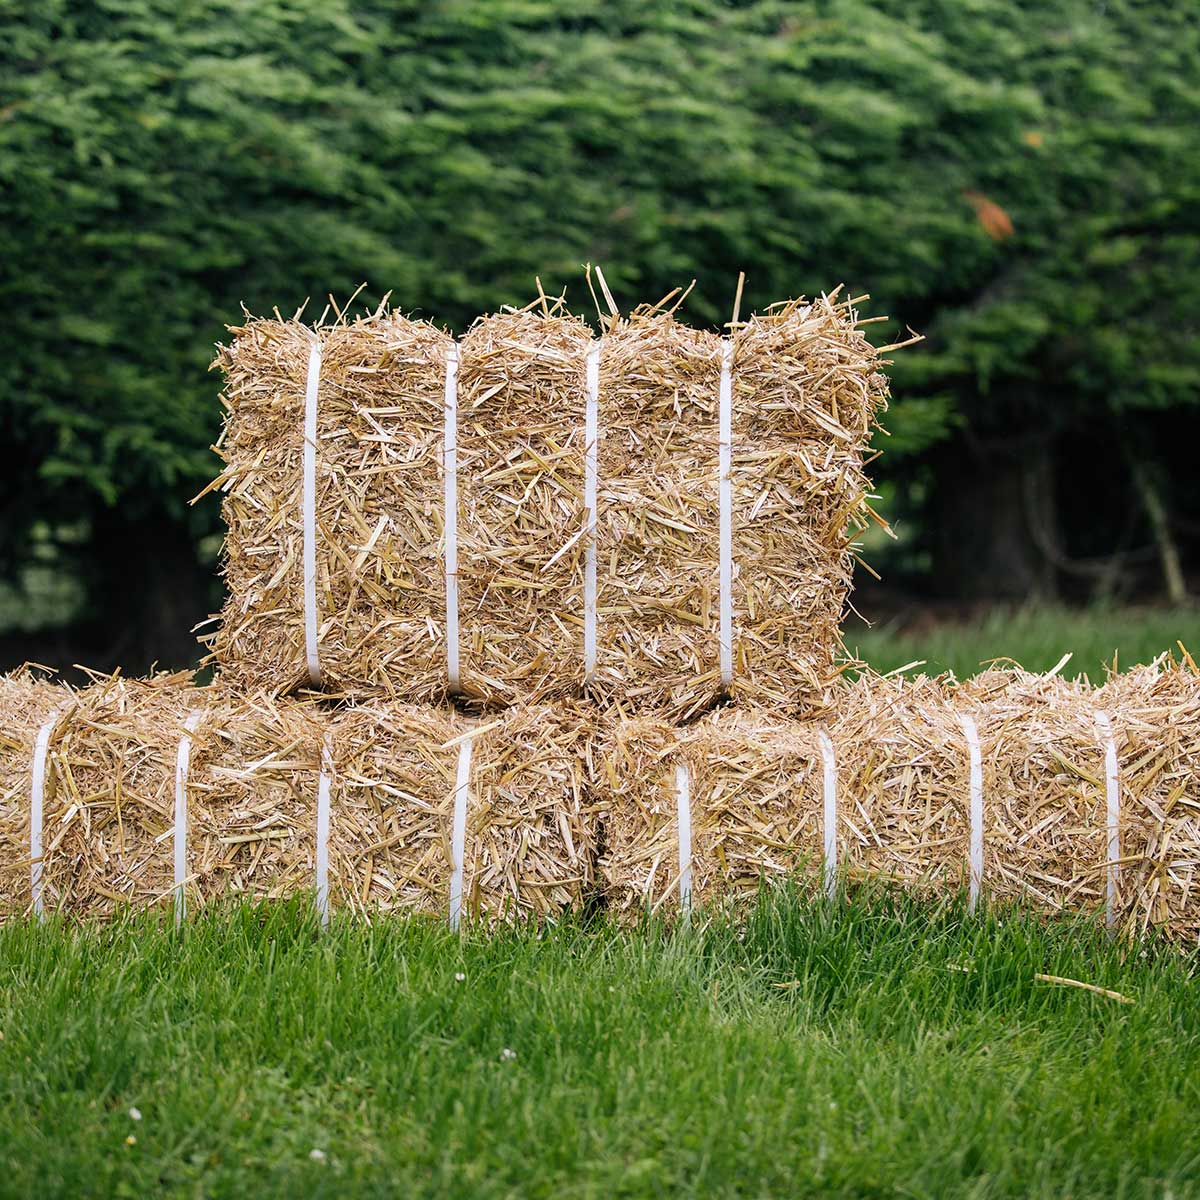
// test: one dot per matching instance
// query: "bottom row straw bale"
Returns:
(110, 796)
(1155, 714)
(562, 805)
(1044, 811)
(27, 702)
(530, 844)
(754, 811)
(902, 783)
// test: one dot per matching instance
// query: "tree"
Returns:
(161, 163)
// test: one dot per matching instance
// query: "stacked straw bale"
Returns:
(379, 508)
(531, 824)
(27, 700)
(806, 390)
(657, 517)
(521, 405)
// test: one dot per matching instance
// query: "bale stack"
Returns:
(493, 600)
(588, 544)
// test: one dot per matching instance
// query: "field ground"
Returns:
(1034, 637)
(877, 1048)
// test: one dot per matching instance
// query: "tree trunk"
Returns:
(992, 509)
(147, 591)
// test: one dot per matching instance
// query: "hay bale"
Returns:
(1044, 841)
(109, 813)
(531, 827)
(521, 405)
(27, 700)
(1155, 714)
(252, 800)
(379, 503)
(657, 517)
(903, 777)
(755, 800)
(806, 389)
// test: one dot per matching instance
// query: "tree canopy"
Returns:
(1019, 182)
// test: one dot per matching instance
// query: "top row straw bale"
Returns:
(391, 396)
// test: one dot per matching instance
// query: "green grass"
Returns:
(1036, 638)
(876, 1049)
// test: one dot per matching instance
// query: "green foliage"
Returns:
(879, 1049)
(163, 161)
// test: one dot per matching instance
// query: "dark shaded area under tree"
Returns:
(1018, 182)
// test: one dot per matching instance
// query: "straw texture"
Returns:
(755, 800)
(903, 783)
(252, 796)
(521, 514)
(806, 392)
(1155, 713)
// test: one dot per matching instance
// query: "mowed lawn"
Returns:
(875, 1047)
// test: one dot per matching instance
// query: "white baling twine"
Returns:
(462, 788)
(683, 808)
(322, 883)
(37, 803)
(1112, 819)
(829, 763)
(183, 758)
(450, 478)
(971, 732)
(309, 513)
(725, 501)
(591, 434)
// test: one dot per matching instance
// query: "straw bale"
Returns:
(1155, 713)
(521, 403)
(109, 816)
(807, 389)
(27, 701)
(252, 799)
(657, 516)
(636, 757)
(1044, 822)
(903, 780)
(755, 798)
(531, 838)
(379, 501)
